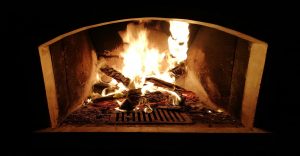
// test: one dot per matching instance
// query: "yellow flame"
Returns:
(120, 88)
(178, 41)
(141, 61)
(97, 77)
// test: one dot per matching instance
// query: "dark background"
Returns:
(28, 27)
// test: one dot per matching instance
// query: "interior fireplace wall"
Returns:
(72, 61)
(220, 61)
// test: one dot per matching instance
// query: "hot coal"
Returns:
(86, 115)
(106, 98)
(99, 111)
(156, 96)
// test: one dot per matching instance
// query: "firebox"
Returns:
(152, 75)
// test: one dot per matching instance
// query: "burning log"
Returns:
(106, 98)
(164, 84)
(155, 96)
(115, 74)
(132, 100)
(170, 86)
(99, 86)
(179, 70)
(107, 54)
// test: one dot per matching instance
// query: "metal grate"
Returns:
(158, 116)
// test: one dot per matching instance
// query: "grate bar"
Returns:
(133, 116)
(139, 116)
(172, 116)
(161, 115)
(178, 117)
(158, 116)
(154, 114)
(165, 113)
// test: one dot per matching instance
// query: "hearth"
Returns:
(152, 75)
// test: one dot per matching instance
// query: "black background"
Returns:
(29, 26)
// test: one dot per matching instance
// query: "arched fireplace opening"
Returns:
(153, 75)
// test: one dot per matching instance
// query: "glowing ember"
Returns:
(220, 110)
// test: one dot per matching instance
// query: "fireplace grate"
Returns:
(158, 116)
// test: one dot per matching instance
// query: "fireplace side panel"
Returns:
(73, 61)
(241, 60)
(211, 57)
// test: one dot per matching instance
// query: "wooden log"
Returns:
(107, 54)
(162, 83)
(115, 74)
(170, 86)
(155, 96)
(99, 86)
(133, 99)
(127, 105)
(106, 98)
(179, 70)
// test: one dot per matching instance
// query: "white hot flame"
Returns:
(178, 41)
(141, 61)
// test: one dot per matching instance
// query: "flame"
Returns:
(178, 41)
(97, 77)
(120, 88)
(141, 61)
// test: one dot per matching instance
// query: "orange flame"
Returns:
(178, 41)
(141, 61)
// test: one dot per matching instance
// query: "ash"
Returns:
(99, 113)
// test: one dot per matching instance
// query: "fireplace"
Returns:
(152, 75)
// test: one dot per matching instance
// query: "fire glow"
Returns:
(140, 61)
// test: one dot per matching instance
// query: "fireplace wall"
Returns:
(228, 64)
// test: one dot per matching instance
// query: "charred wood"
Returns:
(106, 98)
(107, 54)
(164, 84)
(127, 105)
(179, 70)
(115, 74)
(132, 100)
(99, 86)
(155, 96)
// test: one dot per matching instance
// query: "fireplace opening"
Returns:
(152, 74)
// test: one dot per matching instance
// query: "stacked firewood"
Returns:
(133, 97)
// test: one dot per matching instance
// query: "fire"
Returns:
(178, 41)
(97, 77)
(141, 61)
